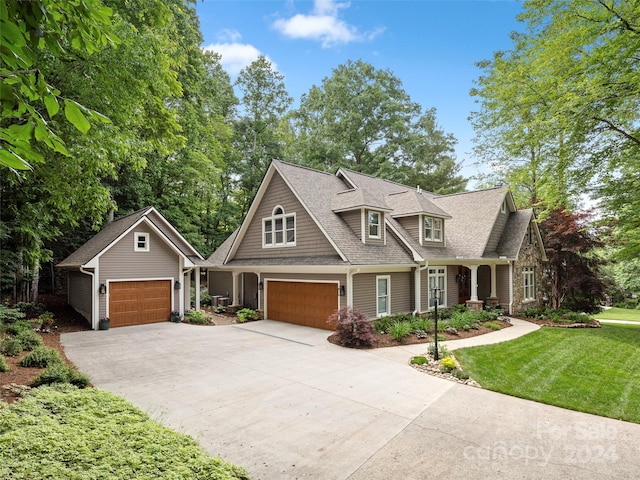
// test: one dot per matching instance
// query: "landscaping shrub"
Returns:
(493, 325)
(383, 324)
(205, 298)
(421, 324)
(197, 318)
(16, 327)
(448, 364)
(246, 314)
(419, 360)
(353, 327)
(11, 347)
(31, 309)
(9, 315)
(61, 373)
(62, 432)
(29, 339)
(41, 357)
(443, 351)
(400, 330)
(4, 366)
(461, 374)
(462, 320)
(575, 317)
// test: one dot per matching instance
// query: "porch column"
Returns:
(493, 298)
(236, 288)
(186, 292)
(260, 290)
(197, 275)
(474, 303)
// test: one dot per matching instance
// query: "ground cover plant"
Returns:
(64, 432)
(616, 313)
(565, 367)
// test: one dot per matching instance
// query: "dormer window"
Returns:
(432, 229)
(140, 242)
(279, 230)
(503, 207)
(374, 224)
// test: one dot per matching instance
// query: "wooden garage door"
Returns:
(136, 303)
(302, 303)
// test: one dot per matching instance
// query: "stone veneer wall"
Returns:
(529, 257)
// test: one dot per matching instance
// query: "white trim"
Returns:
(109, 281)
(433, 229)
(388, 295)
(437, 274)
(416, 256)
(363, 225)
(283, 216)
(369, 224)
(136, 241)
(530, 273)
(266, 280)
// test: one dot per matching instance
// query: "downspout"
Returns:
(350, 286)
(95, 301)
(418, 298)
(184, 290)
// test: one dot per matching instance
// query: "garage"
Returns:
(139, 302)
(302, 303)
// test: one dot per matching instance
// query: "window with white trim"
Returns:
(140, 242)
(528, 284)
(503, 207)
(438, 278)
(279, 230)
(383, 295)
(432, 229)
(374, 224)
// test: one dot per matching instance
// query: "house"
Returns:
(136, 270)
(313, 242)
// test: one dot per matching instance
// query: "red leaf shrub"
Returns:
(354, 329)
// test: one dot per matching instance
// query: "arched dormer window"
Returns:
(279, 230)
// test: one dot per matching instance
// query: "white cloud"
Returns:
(324, 25)
(235, 55)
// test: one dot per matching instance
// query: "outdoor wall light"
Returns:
(176, 286)
(341, 291)
(261, 286)
(103, 289)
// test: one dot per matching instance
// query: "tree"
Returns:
(361, 118)
(263, 102)
(573, 270)
(29, 102)
(565, 98)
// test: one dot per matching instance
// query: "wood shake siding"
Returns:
(353, 218)
(120, 262)
(311, 277)
(80, 296)
(310, 241)
(496, 232)
(220, 283)
(364, 292)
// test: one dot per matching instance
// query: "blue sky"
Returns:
(430, 45)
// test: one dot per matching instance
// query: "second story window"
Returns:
(433, 229)
(141, 242)
(374, 224)
(279, 230)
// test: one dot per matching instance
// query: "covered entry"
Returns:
(139, 302)
(302, 303)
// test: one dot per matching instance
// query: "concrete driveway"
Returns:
(284, 403)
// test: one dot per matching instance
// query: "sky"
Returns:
(430, 45)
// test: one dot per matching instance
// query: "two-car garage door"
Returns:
(302, 303)
(140, 302)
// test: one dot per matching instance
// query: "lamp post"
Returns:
(436, 299)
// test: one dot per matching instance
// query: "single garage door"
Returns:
(302, 303)
(136, 303)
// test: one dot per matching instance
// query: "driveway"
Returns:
(284, 403)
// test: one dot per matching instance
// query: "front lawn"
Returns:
(592, 370)
(619, 314)
(64, 432)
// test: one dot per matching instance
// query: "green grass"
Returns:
(619, 314)
(593, 370)
(63, 432)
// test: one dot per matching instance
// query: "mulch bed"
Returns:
(386, 340)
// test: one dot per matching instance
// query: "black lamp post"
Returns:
(436, 299)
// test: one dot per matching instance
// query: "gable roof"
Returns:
(470, 218)
(109, 235)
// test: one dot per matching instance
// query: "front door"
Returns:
(463, 279)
